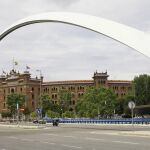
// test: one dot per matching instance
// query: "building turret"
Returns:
(100, 79)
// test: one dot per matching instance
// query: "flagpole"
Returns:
(13, 64)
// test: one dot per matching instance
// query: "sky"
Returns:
(66, 52)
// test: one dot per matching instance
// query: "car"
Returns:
(35, 121)
(39, 121)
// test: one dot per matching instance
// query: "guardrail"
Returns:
(102, 121)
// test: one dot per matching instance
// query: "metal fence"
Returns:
(101, 121)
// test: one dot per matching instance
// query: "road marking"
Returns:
(124, 142)
(29, 140)
(95, 132)
(71, 146)
(94, 139)
(51, 134)
(131, 135)
(52, 143)
(12, 137)
(69, 136)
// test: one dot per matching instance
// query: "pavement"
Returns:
(69, 138)
(126, 129)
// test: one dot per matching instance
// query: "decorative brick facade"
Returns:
(30, 87)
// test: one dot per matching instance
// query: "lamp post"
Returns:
(40, 89)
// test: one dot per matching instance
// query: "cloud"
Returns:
(68, 52)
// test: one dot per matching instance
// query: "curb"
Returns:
(21, 126)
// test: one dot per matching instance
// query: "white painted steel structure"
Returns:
(129, 36)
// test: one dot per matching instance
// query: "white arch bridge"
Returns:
(129, 36)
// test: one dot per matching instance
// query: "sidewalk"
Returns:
(21, 125)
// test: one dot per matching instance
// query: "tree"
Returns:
(52, 114)
(34, 115)
(6, 114)
(126, 110)
(13, 99)
(142, 89)
(96, 101)
(64, 99)
(48, 105)
(68, 114)
(120, 105)
(26, 112)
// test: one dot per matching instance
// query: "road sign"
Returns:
(131, 105)
(38, 110)
(21, 110)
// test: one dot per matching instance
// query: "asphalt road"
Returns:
(58, 138)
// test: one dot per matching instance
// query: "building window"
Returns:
(73, 102)
(12, 90)
(52, 96)
(32, 96)
(4, 105)
(32, 89)
(55, 95)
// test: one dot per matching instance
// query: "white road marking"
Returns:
(12, 137)
(51, 134)
(46, 142)
(71, 146)
(135, 135)
(95, 132)
(94, 139)
(124, 142)
(3, 149)
(29, 140)
(69, 136)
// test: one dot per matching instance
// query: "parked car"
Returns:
(39, 121)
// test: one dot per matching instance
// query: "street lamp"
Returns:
(40, 88)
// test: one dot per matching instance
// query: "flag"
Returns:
(27, 67)
(15, 63)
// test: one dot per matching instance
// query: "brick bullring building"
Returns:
(33, 87)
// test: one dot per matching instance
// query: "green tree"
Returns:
(47, 105)
(34, 115)
(126, 110)
(96, 101)
(13, 99)
(52, 114)
(142, 89)
(69, 114)
(120, 103)
(6, 114)
(64, 99)
(27, 113)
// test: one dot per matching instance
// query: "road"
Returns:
(59, 138)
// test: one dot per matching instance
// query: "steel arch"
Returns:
(129, 36)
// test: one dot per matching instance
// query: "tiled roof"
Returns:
(69, 82)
